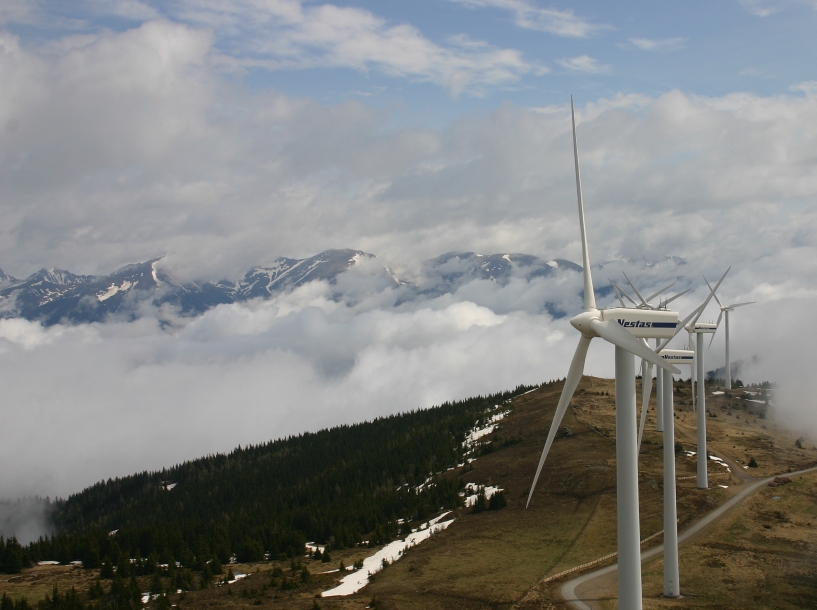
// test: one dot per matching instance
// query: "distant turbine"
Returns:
(659, 389)
(725, 309)
(699, 328)
(622, 327)
(672, 584)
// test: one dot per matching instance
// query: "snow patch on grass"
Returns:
(472, 492)
(354, 582)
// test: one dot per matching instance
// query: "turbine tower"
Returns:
(725, 309)
(623, 328)
(672, 584)
(701, 328)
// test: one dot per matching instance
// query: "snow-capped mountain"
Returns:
(55, 295)
(286, 273)
(453, 269)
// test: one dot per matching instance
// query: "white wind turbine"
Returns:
(623, 328)
(672, 584)
(700, 328)
(659, 348)
(646, 367)
(725, 309)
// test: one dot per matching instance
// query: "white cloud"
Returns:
(123, 147)
(584, 63)
(761, 8)
(288, 35)
(658, 44)
(129, 9)
(531, 17)
(766, 8)
(808, 87)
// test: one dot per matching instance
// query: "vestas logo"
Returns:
(640, 324)
(667, 357)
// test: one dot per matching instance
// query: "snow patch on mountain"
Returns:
(113, 289)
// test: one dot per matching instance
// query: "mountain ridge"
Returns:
(54, 295)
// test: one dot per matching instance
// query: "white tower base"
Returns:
(672, 587)
(702, 479)
(659, 401)
(629, 532)
(728, 364)
(692, 371)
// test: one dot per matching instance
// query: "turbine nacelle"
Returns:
(644, 323)
(678, 356)
(702, 328)
(641, 323)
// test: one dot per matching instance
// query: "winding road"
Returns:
(568, 590)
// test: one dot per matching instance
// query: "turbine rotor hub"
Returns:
(582, 322)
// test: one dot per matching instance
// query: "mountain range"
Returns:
(54, 296)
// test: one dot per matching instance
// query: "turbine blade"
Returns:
(624, 292)
(696, 313)
(711, 294)
(574, 375)
(741, 304)
(612, 331)
(678, 327)
(638, 294)
(589, 295)
(671, 299)
(682, 324)
(618, 292)
(646, 390)
(651, 297)
(717, 300)
(717, 326)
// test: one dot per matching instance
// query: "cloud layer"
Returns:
(122, 147)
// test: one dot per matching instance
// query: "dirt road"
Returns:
(582, 591)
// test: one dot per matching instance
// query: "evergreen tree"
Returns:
(497, 501)
(481, 503)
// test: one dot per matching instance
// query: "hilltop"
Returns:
(501, 558)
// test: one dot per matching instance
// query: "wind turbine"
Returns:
(646, 368)
(701, 328)
(672, 584)
(623, 328)
(659, 348)
(725, 309)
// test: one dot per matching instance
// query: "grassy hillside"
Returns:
(337, 486)
(502, 558)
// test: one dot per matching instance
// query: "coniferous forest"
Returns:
(340, 487)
